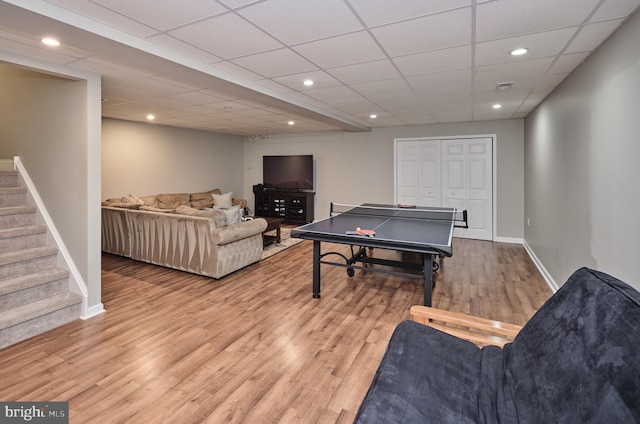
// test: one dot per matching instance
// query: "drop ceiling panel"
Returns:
(591, 36)
(436, 61)
(508, 18)
(227, 36)
(423, 34)
(378, 12)
(330, 93)
(181, 47)
(567, 63)
(276, 63)
(614, 9)
(320, 79)
(295, 22)
(525, 68)
(443, 91)
(164, 15)
(343, 50)
(106, 16)
(365, 72)
(375, 88)
(544, 44)
(454, 77)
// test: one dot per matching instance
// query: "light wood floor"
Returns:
(253, 347)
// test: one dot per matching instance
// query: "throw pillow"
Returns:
(233, 215)
(222, 201)
(130, 198)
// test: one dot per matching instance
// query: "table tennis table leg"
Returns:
(427, 272)
(316, 269)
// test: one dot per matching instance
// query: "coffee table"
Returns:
(272, 224)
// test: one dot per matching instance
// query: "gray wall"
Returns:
(359, 167)
(146, 159)
(583, 166)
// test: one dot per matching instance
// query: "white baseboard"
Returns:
(92, 311)
(545, 274)
(509, 240)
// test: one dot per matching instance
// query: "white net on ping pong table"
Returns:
(458, 217)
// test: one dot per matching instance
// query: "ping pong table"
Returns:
(425, 231)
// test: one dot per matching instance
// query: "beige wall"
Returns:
(145, 159)
(582, 166)
(358, 167)
(52, 123)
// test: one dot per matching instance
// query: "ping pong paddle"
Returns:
(361, 232)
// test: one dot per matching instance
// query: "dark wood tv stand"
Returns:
(295, 207)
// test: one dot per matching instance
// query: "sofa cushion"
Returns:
(218, 216)
(425, 376)
(577, 359)
(222, 201)
(201, 200)
(129, 201)
(150, 200)
(173, 200)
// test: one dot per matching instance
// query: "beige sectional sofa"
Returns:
(176, 231)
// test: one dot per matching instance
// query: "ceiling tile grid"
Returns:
(238, 66)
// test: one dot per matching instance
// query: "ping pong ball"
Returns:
(358, 229)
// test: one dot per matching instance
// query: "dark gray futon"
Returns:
(576, 361)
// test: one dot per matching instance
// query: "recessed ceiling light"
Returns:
(51, 42)
(373, 116)
(151, 117)
(497, 106)
(291, 123)
(519, 51)
(308, 82)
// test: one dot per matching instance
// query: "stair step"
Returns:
(24, 322)
(20, 238)
(21, 290)
(17, 216)
(13, 196)
(8, 178)
(34, 293)
(16, 263)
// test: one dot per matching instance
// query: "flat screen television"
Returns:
(293, 172)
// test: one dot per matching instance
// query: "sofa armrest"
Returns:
(480, 331)
(234, 232)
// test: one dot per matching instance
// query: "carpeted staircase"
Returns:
(34, 293)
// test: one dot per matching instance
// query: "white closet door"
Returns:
(418, 179)
(467, 183)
